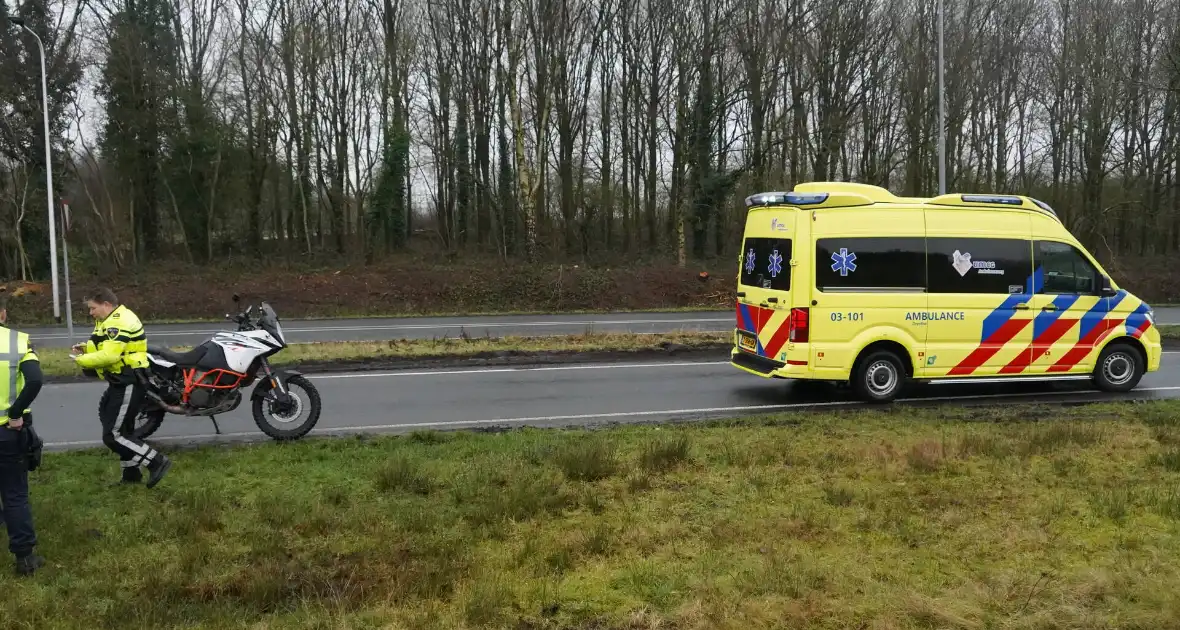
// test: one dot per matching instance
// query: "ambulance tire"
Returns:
(1119, 368)
(878, 377)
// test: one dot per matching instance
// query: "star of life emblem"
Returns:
(776, 264)
(844, 261)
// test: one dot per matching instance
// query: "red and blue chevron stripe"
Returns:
(1092, 329)
(754, 319)
(1000, 326)
(1137, 322)
(751, 320)
(1048, 328)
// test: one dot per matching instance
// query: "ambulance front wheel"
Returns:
(878, 377)
(1119, 368)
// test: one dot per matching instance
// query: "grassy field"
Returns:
(985, 517)
(57, 363)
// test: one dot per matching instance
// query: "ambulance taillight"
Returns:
(799, 325)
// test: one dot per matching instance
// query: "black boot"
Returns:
(29, 564)
(131, 475)
(158, 468)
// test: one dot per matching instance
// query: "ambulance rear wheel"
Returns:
(1119, 368)
(878, 377)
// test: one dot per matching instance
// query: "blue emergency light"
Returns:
(1004, 199)
(785, 199)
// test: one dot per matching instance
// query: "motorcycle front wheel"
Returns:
(292, 419)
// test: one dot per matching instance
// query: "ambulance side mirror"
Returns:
(1105, 288)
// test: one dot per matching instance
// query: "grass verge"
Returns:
(57, 364)
(1020, 516)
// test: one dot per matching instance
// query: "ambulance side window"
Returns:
(1066, 271)
(978, 265)
(870, 264)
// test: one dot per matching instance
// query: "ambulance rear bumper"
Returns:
(756, 364)
(767, 368)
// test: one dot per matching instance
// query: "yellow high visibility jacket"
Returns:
(117, 345)
(14, 350)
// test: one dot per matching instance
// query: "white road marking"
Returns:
(535, 324)
(321, 376)
(601, 416)
(507, 370)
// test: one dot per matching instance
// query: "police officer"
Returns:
(117, 353)
(20, 382)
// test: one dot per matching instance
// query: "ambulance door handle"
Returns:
(1051, 307)
(1021, 307)
(772, 300)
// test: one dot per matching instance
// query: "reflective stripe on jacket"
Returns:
(14, 350)
(117, 343)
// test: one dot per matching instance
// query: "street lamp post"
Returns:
(941, 112)
(20, 22)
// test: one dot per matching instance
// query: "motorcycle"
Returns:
(209, 380)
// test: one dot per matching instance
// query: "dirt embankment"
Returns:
(395, 289)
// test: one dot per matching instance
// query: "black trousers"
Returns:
(14, 491)
(120, 406)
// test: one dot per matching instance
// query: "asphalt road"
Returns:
(437, 327)
(569, 395)
(426, 328)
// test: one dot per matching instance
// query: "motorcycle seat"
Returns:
(187, 359)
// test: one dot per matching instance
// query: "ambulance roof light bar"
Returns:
(1010, 200)
(785, 199)
(1044, 206)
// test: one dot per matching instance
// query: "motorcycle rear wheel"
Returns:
(146, 423)
(281, 431)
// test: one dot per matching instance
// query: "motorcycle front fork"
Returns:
(275, 383)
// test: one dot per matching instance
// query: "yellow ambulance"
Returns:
(846, 282)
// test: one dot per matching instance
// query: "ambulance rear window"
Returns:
(766, 263)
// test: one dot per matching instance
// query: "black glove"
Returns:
(33, 446)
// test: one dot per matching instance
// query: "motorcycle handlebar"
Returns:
(243, 319)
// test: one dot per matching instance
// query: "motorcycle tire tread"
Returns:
(313, 395)
(155, 418)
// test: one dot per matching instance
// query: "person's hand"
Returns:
(78, 348)
(16, 423)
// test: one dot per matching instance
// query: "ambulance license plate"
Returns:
(747, 342)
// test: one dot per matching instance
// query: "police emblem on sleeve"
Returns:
(112, 333)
